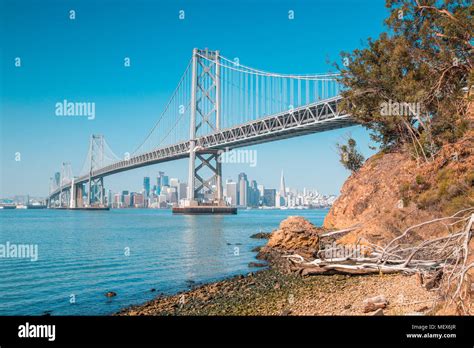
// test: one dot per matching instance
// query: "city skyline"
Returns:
(163, 187)
(244, 195)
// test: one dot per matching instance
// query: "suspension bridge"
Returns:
(218, 105)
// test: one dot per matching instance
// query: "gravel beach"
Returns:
(271, 292)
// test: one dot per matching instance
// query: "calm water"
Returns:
(84, 254)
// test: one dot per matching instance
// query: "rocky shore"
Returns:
(280, 290)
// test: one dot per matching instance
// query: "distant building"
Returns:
(159, 183)
(118, 201)
(174, 182)
(253, 195)
(138, 200)
(127, 200)
(281, 199)
(269, 196)
(165, 181)
(243, 185)
(146, 186)
(231, 193)
(182, 191)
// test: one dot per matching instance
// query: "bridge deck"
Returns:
(312, 118)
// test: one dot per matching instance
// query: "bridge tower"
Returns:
(205, 169)
(65, 178)
(96, 191)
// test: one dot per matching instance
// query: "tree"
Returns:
(409, 85)
(349, 156)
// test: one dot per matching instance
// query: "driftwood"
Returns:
(442, 260)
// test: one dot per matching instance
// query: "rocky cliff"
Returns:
(392, 192)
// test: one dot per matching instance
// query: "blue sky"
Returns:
(82, 60)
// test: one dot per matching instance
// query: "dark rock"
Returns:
(257, 264)
(256, 249)
(433, 280)
(111, 294)
(261, 235)
(190, 282)
(153, 290)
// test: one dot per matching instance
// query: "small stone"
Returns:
(153, 290)
(257, 264)
(285, 312)
(374, 303)
(277, 286)
(261, 235)
(111, 294)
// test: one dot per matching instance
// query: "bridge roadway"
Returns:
(317, 117)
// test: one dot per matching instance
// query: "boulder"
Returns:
(295, 233)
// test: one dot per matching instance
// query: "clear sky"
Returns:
(82, 60)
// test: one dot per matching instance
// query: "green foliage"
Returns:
(424, 59)
(451, 193)
(405, 193)
(420, 180)
(349, 156)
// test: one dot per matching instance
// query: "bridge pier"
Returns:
(96, 192)
(79, 196)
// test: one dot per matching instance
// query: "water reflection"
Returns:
(204, 245)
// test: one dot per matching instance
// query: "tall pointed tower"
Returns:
(282, 186)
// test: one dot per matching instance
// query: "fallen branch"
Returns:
(443, 260)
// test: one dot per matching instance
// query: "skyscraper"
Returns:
(165, 180)
(182, 190)
(269, 196)
(159, 182)
(231, 192)
(281, 197)
(242, 190)
(253, 194)
(282, 185)
(146, 186)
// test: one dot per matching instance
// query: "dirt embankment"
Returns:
(392, 192)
